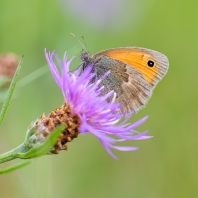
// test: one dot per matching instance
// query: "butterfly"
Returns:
(134, 73)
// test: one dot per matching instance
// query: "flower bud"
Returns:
(43, 126)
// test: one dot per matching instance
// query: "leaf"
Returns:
(44, 147)
(14, 167)
(10, 92)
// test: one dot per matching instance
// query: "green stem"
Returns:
(12, 154)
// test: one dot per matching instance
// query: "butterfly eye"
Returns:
(150, 63)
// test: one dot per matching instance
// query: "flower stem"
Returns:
(11, 155)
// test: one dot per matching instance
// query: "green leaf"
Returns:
(10, 91)
(44, 147)
(14, 167)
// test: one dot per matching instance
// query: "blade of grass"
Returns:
(14, 167)
(10, 91)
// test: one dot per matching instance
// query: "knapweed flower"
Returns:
(85, 110)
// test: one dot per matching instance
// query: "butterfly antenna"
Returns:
(83, 38)
(79, 41)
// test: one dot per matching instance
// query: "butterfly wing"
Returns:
(134, 73)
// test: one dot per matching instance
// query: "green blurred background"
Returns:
(165, 166)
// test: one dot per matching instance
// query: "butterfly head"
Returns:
(86, 59)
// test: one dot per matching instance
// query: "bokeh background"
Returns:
(164, 166)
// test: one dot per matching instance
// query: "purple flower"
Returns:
(96, 115)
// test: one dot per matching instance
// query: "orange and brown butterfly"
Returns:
(134, 72)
